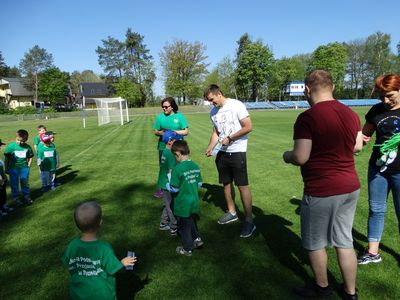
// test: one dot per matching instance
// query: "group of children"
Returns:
(92, 263)
(18, 158)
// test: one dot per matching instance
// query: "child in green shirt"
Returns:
(48, 161)
(18, 158)
(4, 208)
(91, 262)
(185, 181)
(168, 220)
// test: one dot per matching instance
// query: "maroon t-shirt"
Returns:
(333, 129)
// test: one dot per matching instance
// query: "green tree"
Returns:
(284, 71)
(139, 64)
(253, 70)
(112, 57)
(333, 58)
(35, 61)
(3, 66)
(184, 68)
(378, 49)
(224, 75)
(356, 68)
(53, 85)
(129, 91)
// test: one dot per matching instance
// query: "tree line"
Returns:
(254, 74)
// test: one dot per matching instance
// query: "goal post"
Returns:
(112, 110)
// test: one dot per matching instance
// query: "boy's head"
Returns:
(41, 128)
(22, 136)
(47, 137)
(87, 216)
(170, 136)
(180, 149)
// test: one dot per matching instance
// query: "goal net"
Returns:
(112, 110)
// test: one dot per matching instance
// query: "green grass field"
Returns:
(117, 166)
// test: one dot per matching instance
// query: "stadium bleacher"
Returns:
(303, 104)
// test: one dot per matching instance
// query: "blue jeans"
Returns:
(379, 186)
(19, 176)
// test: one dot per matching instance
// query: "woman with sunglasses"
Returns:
(169, 119)
(384, 165)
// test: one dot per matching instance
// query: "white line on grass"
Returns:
(94, 144)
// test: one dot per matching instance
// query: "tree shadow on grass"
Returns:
(214, 193)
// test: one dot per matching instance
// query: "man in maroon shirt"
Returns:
(325, 139)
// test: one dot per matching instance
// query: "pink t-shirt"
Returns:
(333, 129)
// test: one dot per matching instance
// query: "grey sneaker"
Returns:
(227, 218)
(197, 243)
(180, 250)
(367, 258)
(164, 226)
(247, 229)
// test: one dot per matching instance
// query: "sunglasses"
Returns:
(165, 107)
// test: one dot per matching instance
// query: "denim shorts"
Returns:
(328, 221)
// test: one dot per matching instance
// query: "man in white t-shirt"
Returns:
(231, 123)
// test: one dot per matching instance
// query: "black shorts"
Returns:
(232, 167)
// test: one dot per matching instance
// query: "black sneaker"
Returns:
(247, 229)
(345, 296)
(367, 258)
(311, 290)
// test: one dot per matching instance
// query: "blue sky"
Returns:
(72, 30)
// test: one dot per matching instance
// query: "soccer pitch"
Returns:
(117, 166)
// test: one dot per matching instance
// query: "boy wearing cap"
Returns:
(168, 220)
(4, 209)
(17, 161)
(48, 161)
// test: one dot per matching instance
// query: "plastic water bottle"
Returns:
(131, 254)
(216, 148)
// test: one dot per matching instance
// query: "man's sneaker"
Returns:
(164, 226)
(311, 290)
(180, 250)
(197, 243)
(247, 229)
(158, 194)
(227, 218)
(367, 258)
(173, 231)
(343, 294)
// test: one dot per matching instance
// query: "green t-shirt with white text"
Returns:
(187, 177)
(92, 266)
(47, 157)
(18, 155)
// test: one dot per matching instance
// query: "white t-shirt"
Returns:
(226, 120)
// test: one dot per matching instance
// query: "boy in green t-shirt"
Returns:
(185, 181)
(91, 262)
(48, 161)
(168, 220)
(36, 140)
(4, 208)
(17, 159)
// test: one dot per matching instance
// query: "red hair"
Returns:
(387, 83)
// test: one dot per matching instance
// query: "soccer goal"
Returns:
(112, 110)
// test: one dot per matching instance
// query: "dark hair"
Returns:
(181, 147)
(387, 83)
(212, 89)
(87, 216)
(23, 134)
(172, 102)
(41, 126)
(318, 79)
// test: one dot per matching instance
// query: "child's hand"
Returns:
(128, 261)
